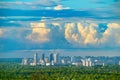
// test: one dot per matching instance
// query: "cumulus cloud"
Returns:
(60, 7)
(112, 34)
(69, 31)
(79, 34)
(39, 33)
(90, 35)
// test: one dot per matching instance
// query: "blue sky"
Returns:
(60, 24)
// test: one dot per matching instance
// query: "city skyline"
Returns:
(55, 59)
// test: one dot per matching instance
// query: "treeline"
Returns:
(14, 71)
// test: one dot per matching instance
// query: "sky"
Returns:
(76, 27)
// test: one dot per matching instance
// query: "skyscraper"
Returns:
(43, 57)
(25, 61)
(86, 62)
(35, 59)
(51, 57)
(56, 58)
(119, 63)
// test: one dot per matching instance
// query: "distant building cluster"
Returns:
(53, 59)
(56, 59)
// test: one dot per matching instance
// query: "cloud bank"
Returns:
(91, 36)
(62, 33)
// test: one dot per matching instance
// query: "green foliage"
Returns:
(14, 71)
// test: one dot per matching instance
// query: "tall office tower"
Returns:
(43, 57)
(83, 62)
(89, 62)
(55, 57)
(71, 59)
(35, 59)
(119, 63)
(46, 59)
(25, 61)
(86, 62)
(58, 58)
(51, 57)
(63, 61)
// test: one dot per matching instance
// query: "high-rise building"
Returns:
(43, 57)
(87, 62)
(46, 60)
(119, 63)
(83, 62)
(71, 59)
(63, 61)
(51, 57)
(41, 62)
(56, 58)
(25, 61)
(35, 59)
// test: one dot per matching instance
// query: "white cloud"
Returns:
(112, 34)
(60, 7)
(80, 35)
(39, 33)
(69, 30)
(90, 37)
(83, 32)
